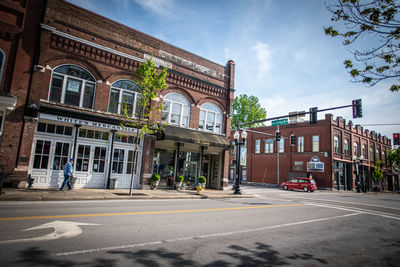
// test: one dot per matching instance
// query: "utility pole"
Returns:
(277, 156)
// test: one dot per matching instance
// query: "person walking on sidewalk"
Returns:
(68, 169)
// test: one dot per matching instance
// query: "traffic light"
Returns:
(313, 115)
(396, 139)
(277, 136)
(292, 140)
(357, 108)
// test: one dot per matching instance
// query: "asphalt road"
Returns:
(276, 228)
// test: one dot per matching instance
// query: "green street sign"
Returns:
(280, 122)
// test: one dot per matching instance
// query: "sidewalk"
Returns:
(50, 194)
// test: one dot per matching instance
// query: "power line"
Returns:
(381, 124)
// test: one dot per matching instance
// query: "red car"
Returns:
(305, 184)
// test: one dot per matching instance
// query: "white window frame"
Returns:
(300, 144)
(269, 146)
(64, 85)
(355, 149)
(214, 113)
(346, 147)
(336, 144)
(257, 147)
(281, 145)
(315, 143)
(121, 91)
(364, 151)
(182, 108)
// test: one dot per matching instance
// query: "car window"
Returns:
(302, 181)
(293, 181)
(312, 181)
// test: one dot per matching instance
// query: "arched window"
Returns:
(336, 144)
(346, 148)
(2, 62)
(124, 93)
(355, 149)
(210, 118)
(176, 109)
(72, 85)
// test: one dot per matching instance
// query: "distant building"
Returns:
(338, 155)
(69, 75)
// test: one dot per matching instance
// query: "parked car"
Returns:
(305, 184)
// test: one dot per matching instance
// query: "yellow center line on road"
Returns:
(142, 212)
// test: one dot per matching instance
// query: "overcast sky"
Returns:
(281, 53)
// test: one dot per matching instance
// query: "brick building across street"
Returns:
(337, 154)
(65, 72)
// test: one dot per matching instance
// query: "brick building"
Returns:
(330, 150)
(78, 75)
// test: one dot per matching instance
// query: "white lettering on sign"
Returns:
(86, 123)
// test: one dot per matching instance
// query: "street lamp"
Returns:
(238, 144)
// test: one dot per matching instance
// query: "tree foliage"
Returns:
(150, 83)
(393, 157)
(246, 109)
(377, 173)
(376, 23)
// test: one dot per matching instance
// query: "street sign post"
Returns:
(280, 122)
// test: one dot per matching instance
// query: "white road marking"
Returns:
(360, 210)
(339, 201)
(201, 236)
(62, 229)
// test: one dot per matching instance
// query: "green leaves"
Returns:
(376, 23)
(246, 109)
(150, 82)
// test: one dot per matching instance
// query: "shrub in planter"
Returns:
(155, 177)
(202, 180)
(179, 179)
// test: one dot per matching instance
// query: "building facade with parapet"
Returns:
(80, 76)
(336, 154)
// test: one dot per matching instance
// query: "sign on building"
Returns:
(315, 165)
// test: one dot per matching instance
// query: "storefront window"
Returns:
(42, 151)
(72, 85)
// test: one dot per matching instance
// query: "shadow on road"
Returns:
(259, 255)
(34, 256)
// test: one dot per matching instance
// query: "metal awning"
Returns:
(186, 135)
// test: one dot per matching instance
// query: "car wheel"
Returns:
(312, 190)
(285, 187)
(305, 189)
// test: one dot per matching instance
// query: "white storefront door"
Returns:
(49, 158)
(122, 166)
(90, 165)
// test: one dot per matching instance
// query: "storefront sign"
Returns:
(201, 142)
(315, 165)
(86, 123)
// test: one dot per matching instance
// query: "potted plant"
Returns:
(178, 181)
(202, 181)
(155, 179)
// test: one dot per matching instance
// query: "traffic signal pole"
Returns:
(286, 116)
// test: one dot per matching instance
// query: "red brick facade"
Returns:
(262, 165)
(109, 51)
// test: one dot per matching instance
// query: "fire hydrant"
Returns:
(198, 187)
